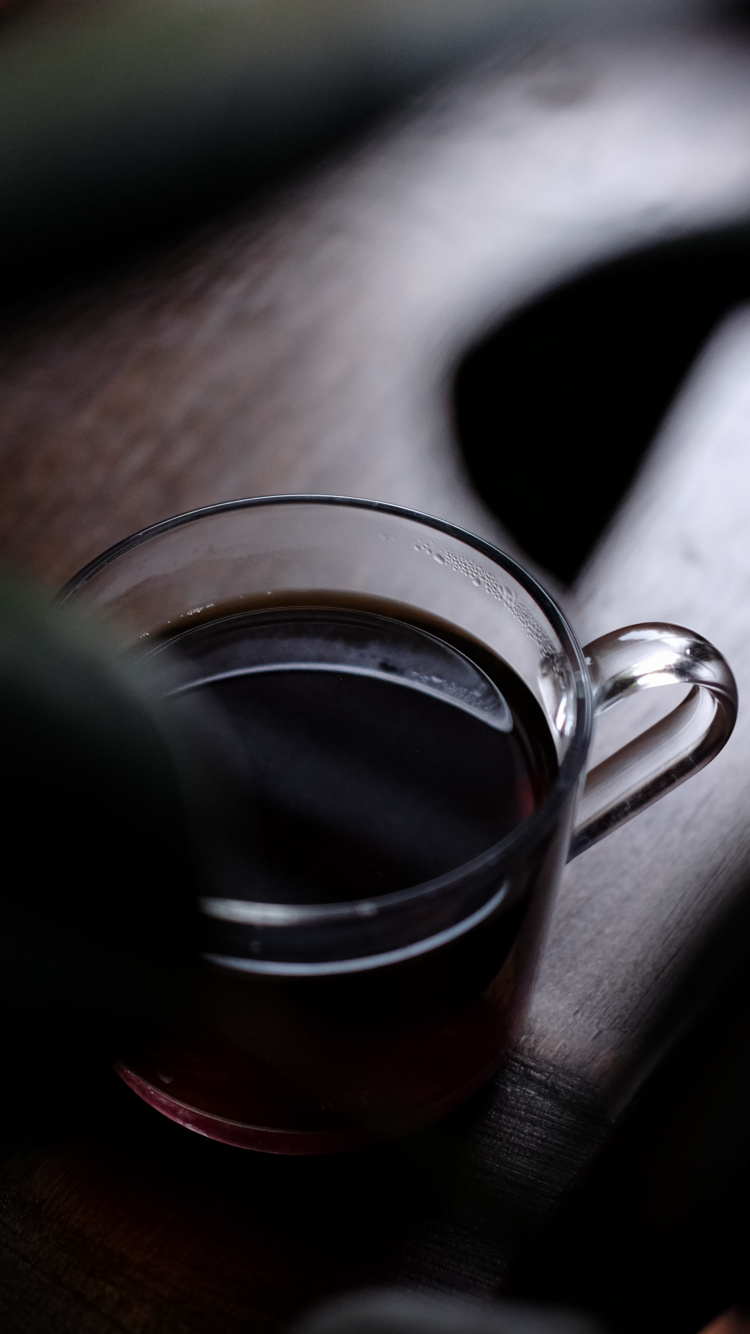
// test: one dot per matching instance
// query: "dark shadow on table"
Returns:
(557, 407)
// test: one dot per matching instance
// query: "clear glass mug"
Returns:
(331, 1024)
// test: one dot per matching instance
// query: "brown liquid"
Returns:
(371, 751)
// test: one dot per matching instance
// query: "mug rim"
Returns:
(519, 840)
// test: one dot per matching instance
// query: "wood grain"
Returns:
(310, 346)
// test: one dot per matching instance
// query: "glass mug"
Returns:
(409, 717)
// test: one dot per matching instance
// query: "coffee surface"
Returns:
(367, 753)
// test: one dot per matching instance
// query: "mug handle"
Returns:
(662, 757)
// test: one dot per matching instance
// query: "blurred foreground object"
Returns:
(394, 1312)
(98, 885)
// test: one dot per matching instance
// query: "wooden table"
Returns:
(310, 344)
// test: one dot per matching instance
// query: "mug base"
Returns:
(262, 1139)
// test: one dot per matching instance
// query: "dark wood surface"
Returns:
(308, 345)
